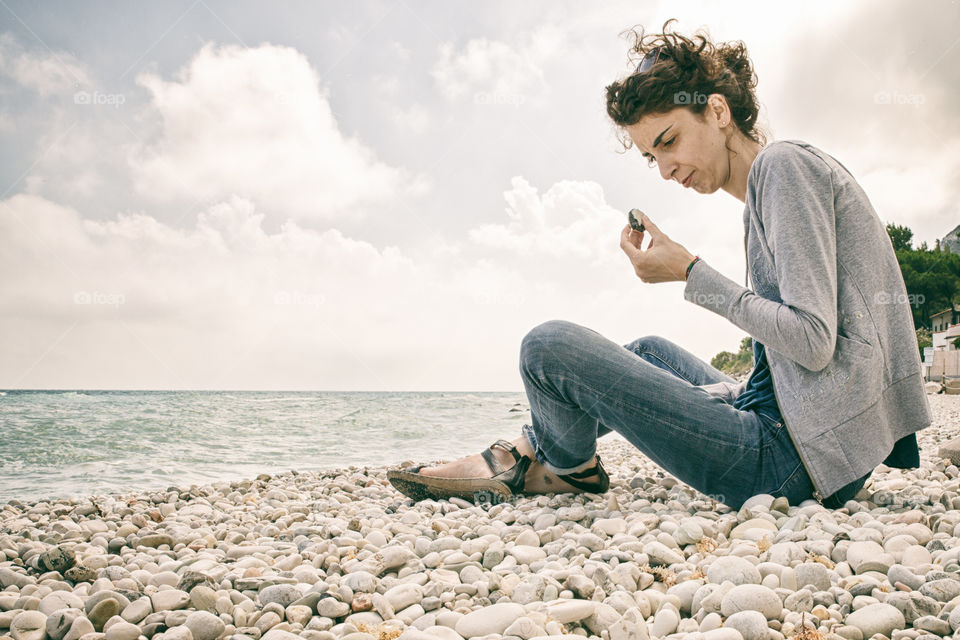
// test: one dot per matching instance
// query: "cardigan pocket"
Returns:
(850, 384)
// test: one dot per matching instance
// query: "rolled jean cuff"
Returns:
(531, 437)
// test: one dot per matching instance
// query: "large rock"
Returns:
(913, 605)
(877, 618)
(661, 555)
(752, 625)
(103, 611)
(812, 573)
(29, 625)
(943, 590)
(9, 577)
(190, 579)
(360, 581)
(169, 600)
(866, 555)
(526, 554)
(751, 597)
(733, 568)
(59, 600)
(137, 610)
(60, 621)
(493, 619)
(567, 611)
(204, 625)
(631, 626)
(56, 559)
(123, 631)
(282, 594)
(403, 595)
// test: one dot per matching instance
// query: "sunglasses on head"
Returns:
(651, 59)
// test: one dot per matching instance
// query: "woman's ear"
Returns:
(717, 106)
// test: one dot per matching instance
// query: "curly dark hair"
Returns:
(686, 68)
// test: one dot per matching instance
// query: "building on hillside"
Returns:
(951, 241)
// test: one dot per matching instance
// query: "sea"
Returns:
(73, 444)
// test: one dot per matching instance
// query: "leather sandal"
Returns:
(600, 485)
(504, 484)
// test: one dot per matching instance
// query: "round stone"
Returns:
(733, 568)
(876, 618)
(59, 600)
(487, 620)
(403, 595)
(569, 611)
(752, 625)
(526, 554)
(123, 631)
(137, 610)
(56, 559)
(866, 555)
(943, 590)
(169, 600)
(59, 622)
(332, 608)
(661, 555)
(28, 625)
(528, 538)
(360, 581)
(103, 611)
(282, 594)
(204, 625)
(751, 597)
(812, 573)
(664, 623)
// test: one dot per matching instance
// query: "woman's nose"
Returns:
(667, 171)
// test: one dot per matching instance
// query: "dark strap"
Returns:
(573, 479)
(492, 461)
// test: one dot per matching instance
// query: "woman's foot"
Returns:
(537, 480)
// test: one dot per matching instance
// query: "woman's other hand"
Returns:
(662, 261)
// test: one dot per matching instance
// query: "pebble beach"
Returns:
(341, 555)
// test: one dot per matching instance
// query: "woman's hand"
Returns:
(662, 261)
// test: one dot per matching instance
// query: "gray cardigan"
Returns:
(830, 306)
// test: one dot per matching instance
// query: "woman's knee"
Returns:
(646, 344)
(550, 341)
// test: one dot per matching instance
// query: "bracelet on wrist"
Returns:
(690, 266)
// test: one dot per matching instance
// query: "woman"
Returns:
(836, 387)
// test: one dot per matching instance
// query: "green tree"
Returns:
(924, 339)
(735, 364)
(900, 237)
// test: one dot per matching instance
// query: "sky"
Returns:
(388, 195)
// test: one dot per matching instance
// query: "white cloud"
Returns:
(138, 303)
(297, 308)
(495, 70)
(570, 221)
(413, 120)
(254, 122)
(46, 73)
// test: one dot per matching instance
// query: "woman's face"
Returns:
(685, 146)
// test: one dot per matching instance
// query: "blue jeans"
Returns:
(668, 403)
